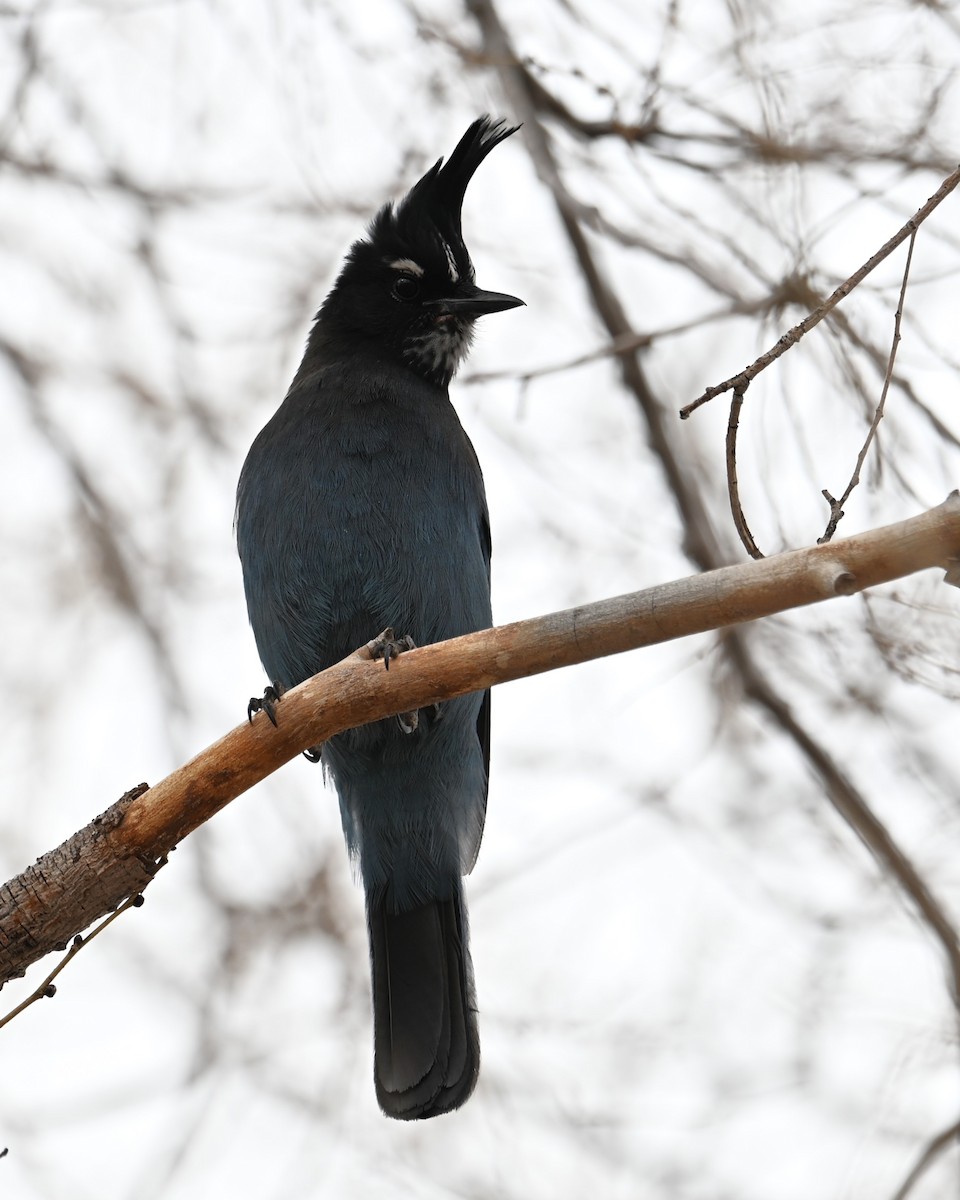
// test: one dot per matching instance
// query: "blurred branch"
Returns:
(117, 855)
(937, 1145)
(700, 540)
(627, 343)
(792, 336)
(113, 179)
(854, 809)
(96, 518)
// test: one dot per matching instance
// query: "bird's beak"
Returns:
(471, 301)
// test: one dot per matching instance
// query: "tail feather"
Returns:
(426, 1041)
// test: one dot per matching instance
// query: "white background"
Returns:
(693, 979)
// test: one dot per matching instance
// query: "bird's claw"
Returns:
(408, 721)
(388, 646)
(267, 703)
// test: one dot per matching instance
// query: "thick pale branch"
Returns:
(117, 854)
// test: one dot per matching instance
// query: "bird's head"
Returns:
(407, 289)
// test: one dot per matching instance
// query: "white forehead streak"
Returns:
(451, 262)
(408, 265)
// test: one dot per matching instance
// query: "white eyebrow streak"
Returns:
(408, 265)
(451, 262)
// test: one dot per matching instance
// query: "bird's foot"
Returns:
(410, 721)
(387, 645)
(267, 702)
(272, 695)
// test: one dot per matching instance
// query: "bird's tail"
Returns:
(426, 1041)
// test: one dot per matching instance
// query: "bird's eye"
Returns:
(405, 287)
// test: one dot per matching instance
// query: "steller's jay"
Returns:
(360, 506)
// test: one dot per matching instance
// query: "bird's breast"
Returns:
(354, 516)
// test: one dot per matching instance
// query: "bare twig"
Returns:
(792, 336)
(47, 990)
(733, 489)
(836, 506)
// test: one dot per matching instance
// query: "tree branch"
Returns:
(836, 506)
(733, 486)
(117, 854)
(792, 336)
(700, 541)
(938, 1145)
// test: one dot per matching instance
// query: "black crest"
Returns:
(407, 290)
(431, 208)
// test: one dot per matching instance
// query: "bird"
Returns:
(361, 507)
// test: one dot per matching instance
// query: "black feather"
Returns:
(433, 206)
(361, 505)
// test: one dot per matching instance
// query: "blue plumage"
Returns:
(360, 506)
